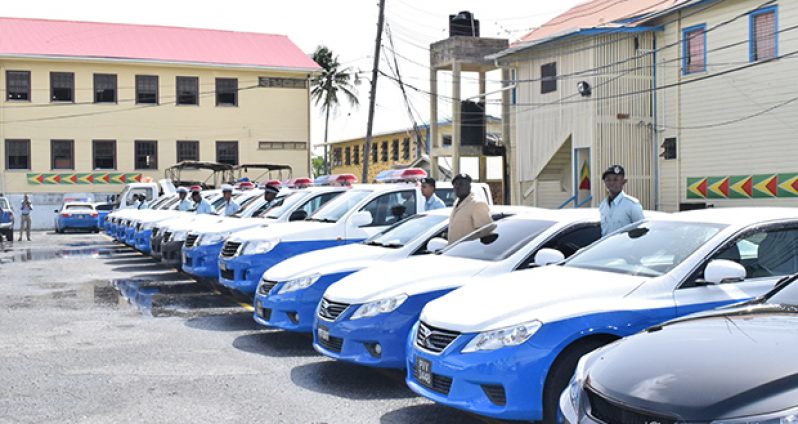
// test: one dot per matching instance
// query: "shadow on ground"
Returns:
(276, 343)
(350, 381)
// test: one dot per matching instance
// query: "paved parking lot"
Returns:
(95, 332)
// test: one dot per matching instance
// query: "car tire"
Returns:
(560, 375)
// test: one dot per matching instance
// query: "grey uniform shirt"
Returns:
(623, 211)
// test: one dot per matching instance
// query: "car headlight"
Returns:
(262, 246)
(179, 235)
(503, 337)
(298, 284)
(213, 238)
(789, 416)
(382, 306)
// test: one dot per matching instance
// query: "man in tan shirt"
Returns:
(469, 213)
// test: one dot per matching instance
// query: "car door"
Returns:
(386, 209)
(767, 253)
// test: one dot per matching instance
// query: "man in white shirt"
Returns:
(185, 204)
(230, 205)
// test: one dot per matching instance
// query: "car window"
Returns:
(104, 207)
(650, 248)
(498, 240)
(317, 202)
(78, 207)
(338, 207)
(169, 203)
(766, 253)
(445, 194)
(391, 208)
(4, 203)
(405, 231)
(568, 241)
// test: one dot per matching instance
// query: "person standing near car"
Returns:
(432, 201)
(618, 209)
(142, 202)
(25, 222)
(185, 204)
(270, 193)
(469, 213)
(203, 206)
(230, 205)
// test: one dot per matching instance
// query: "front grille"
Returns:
(166, 237)
(333, 344)
(228, 274)
(138, 226)
(230, 248)
(433, 339)
(440, 383)
(190, 240)
(331, 310)
(266, 286)
(154, 232)
(612, 413)
(495, 393)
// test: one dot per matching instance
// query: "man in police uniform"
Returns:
(618, 209)
(185, 204)
(203, 206)
(469, 213)
(432, 201)
(142, 202)
(230, 205)
(270, 193)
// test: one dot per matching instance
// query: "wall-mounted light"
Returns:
(584, 88)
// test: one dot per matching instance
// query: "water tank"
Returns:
(463, 24)
(472, 126)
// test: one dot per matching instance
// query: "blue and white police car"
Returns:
(76, 216)
(365, 318)
(202, 246)
(506, 347)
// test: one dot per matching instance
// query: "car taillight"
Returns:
(66, 214)
(94, 214)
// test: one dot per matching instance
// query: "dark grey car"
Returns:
(733, 365)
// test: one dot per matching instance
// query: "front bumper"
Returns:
(294, 311)
(171, 253)
(129, 236)
(202, 261)
(569, 414)
(142, 241)
(357, 340)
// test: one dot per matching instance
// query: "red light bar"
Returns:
(275, 183)
(245, 185)
(299, 183)
(413, 173)
(342, 180)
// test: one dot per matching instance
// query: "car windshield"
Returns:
(245, 205)
(650, 249)
(498, 240)
(336, 208)
(406, 230)
(167, 204)
(284, 204)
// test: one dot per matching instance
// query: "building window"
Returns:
(187, 90)
(548, 78)
(147, 89)
(406, 149)
(62, 154)
(694, 41)
(375, 152)
(356, 154)
(104, 154)
(227, 152)
(764, 29)
(395, 150)
(282, 82)
(336, 159)
(18, 85)
(104, 88)
(62, 87)
(348, 155)
(384, 155)
(17, 154)
(281, 145)
(187, 150)
(226, 91)
(447, 140)
(146, 155)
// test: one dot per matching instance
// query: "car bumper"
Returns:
(129, 236)
(143, 241)
(171, 253)
(202, 261)
(569, 414)
(294, 311)
(155, 246)
(75, 223)
(379, 341)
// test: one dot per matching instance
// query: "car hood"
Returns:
(352, 257)
(223, 225)
(414, 275)
(158, 216)
(724, 366)
(546, 294)
(187, 223)
(299, 230)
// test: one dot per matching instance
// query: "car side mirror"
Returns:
(437, 244)
(55, 210)
(298, 215)
(721, 271)
(361, 219)
(547, 256)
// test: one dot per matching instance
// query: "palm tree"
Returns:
(327, 87)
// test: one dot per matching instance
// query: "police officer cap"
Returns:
(227, 187)
(271, 189)
(182, 190)
(613, 170)
(464, 177)
(429, 181)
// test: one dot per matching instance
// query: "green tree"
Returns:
(318, 166)
(327, 88)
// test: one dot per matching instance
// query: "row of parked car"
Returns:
(532, 317)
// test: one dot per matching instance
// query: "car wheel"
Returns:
(560, 375)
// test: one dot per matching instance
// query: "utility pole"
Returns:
(373, 94)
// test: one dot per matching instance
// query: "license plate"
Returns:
(222, 266)
(324, 334)
(424, 371)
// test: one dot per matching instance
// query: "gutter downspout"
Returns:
(654, 130)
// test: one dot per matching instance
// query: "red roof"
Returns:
(596, 14)
(41, 37)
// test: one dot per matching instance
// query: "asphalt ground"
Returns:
(94, 332)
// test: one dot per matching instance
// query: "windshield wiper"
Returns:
(327, 220)
(393, 245)
(374, 243)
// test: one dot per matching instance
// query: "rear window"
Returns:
(76, 207)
